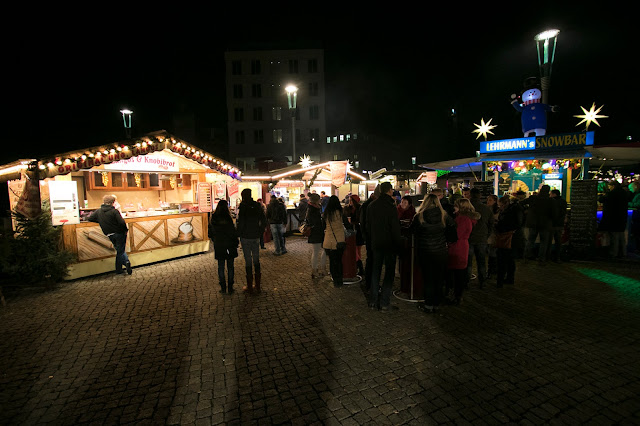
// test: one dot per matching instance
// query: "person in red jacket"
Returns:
(466, 217)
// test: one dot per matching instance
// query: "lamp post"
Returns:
(546, 45)
(292, 97)
(126, 113)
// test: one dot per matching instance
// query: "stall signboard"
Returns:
(338, 172)
(583, 222)
(233, 189)
(486, 189)
(221, 190)
(560, 141)
(63, 197)
(204, 197)
(152, 162)
(552, 176)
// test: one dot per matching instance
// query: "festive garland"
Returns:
(524, 166)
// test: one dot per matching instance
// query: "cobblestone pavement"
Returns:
(164, 347)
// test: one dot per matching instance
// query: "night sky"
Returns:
(394, 74)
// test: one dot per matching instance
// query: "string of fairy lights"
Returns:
(66, 163)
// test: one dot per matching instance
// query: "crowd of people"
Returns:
(450, 235)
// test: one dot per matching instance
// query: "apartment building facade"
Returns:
(259, 119)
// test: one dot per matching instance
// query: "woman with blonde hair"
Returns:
(428, 227)
(466, 217)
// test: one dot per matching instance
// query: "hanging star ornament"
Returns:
(484, 128)
(305, 161)
(590, 116)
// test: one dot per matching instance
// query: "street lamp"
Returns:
(292, 97)
(126, 113)
(546, 43)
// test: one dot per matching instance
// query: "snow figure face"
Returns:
(531, 96)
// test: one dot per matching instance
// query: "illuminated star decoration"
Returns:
(305, 161)
(484, 128)
(590, 116)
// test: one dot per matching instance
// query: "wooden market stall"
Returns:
(165, 189)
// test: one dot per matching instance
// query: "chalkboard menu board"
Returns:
(583, 223)
(486, 189)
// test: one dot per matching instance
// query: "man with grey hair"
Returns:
(114, 227)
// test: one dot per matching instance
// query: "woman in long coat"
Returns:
(225, 244)
(314, 220)
(466, 218)
(333, 236)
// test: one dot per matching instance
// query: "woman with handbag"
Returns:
(314, 222)
(334, 238)
(352, 213)
(466, 217)
(225, 244)
(509, 219)
(428, 228)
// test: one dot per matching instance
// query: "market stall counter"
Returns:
(150, 239)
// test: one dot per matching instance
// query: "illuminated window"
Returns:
(348, 138)
(355, 136)
(357, 164)
(335, 157)
(355, 157)
(328, 139)
(276, 112)
(335, 139)
(341, 138)
(277, 136)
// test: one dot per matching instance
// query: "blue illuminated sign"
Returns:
(519, 144)
(552, 176)
(565, 140)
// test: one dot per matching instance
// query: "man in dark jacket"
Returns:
(367, 240)
(479, 236)
(383, 230)
(539, 221)
(251, 224)
(277, 218)
(558, 222)
(444, 202)
(114, 227)
(614, 218)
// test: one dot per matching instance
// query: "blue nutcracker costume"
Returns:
(534, 112)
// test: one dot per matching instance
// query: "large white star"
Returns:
(590, 116)
(305, 161)
(484, 128)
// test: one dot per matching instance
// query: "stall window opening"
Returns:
(116, 180)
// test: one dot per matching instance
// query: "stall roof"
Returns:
(84, 159)
(460, 165)
(295, 171)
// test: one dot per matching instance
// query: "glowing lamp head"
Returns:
(291, 88)
(546, 35)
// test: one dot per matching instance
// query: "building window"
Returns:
(293, 66)
(256, 90)
(257, 114)
(238, 114)
(240, 137)
(357, 164)
(314, 135)
(276, 112)
(313, 65)
(236, 67)
(335, 139)
(237, 91)
(313, 89)
(258, 136)
(277, 136)
(335, 157)
(355, 136)
(341, 138)
(314, 112)
(255, 66)
(355, 156)
(373, 158)
(328, 139)
(348, 137)
(296, 112)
